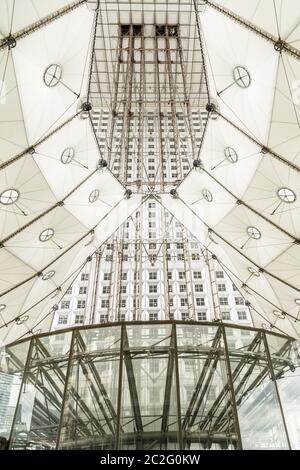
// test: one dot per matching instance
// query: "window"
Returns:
(104, 303)
(169, 275)
(152, 289)
(223, 301)
(103, 318)
(106, 290)
(106, 276)
(62, 319)
(153, 276)
(153, 366)
(239, 300)
(245, 333)
(69, 291)
(123, 289)
(180, 257)
(65, 304)
(219, 275)
(197, 275)
(123, 303)
(195, 256)
(226, 315)
(188, 365)
(84, 277)
(184, 302)
(81, 304)
(179, 246)
(234, 287)
(182, 288)
(153, 316)
(151, 205)
(9, 196)
(152, 246)
(200, 301)
(198, 287)
(153, 302)
(201, 316)
(242, 315)
(184, 316)
(211, 394)
(79, 319)
(82, 290)
(124, 276)
(181, 275)
(189, 390)
(221, 287)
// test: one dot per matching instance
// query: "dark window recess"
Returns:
(136, 29)
(161, 30)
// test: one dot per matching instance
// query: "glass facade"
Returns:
(152, 385)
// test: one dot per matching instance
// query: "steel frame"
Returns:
(216, 422)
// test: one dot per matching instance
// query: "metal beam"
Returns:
(172, 93)
(197, 398)
(278, 43)
(132, 387)
(90, 365)
(264, 148)
(168, 390)
(7, 41)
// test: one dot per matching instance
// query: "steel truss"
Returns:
(73, 406)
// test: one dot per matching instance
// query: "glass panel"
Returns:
(90, 414)
(78, 406)
(260, 419)
(149, 335)
(12, 364)
(285, 354)
(100, 339)
(37, 420)
(148, 414)
(206, 405)
(194, 335)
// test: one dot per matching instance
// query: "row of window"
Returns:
(153, 316)
(169, 257)
(153, 245)
(152, 302)
(103, 318)
(153, 275)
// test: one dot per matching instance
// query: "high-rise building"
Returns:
(152, 268)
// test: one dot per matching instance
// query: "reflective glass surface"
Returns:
(152, 385)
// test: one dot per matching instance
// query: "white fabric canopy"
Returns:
(242, 203)
(74, 204)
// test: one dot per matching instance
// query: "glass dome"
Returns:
(152, 385)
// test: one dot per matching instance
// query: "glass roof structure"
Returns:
(233, 184)
(151, 385)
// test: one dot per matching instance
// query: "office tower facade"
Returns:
(150, 137)
(151, 269)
